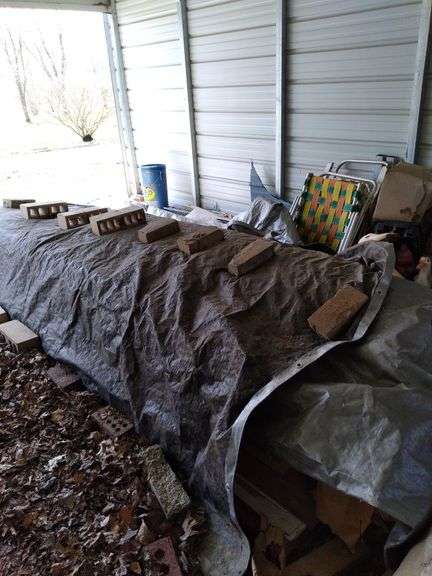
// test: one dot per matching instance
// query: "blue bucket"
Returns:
(154, 183)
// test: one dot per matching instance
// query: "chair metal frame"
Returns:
(371, 188)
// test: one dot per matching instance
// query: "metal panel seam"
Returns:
(182, 12)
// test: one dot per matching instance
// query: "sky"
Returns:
(84, 41)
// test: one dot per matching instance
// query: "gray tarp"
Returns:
(186, 349)
(360, 419)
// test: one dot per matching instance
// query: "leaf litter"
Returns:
(74, 502)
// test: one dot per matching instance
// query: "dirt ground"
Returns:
(74, 502)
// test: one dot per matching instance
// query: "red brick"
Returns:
(335, 315)
(43, 210)
(157, 230)
(117, 220)
(199, 240)
(17, 334)
(15, 202)
(252, 256)
(163, 555)
(77, 218)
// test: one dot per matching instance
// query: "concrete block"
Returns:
(334, 316)
(43, 210)
(113, 423)
(76, 218)
(162, 555)
(15, 202)
(116, 220)
(252, 256)
(17, 334)
(4, 316)
(171, 495)
(200, 240)
(157, 230)
(64, 377)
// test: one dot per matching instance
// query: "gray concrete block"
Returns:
(171, 495)
(76, 218)
(43, 210)
(17, 334)
(116, 220)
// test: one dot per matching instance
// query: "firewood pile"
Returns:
(300, 527)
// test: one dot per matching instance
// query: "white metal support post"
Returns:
(281, 61)
(423, 53)
(121, 100)
(184, 42)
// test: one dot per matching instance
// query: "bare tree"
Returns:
(81, 110)
(14, 48)
(52, 61)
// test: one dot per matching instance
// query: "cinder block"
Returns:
(252, 256)
(68, 220)
(17, 334)
(200, 240)
(171, 495)
(4, 316)
(43, 210)
(117, 220)
(334, 316)
(15, 202)
(112, 422)
(157, 230)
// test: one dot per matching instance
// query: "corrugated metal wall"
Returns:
(350, 71)
(233, 46)
(149, 36)
(350, 75)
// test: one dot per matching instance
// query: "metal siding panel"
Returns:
(237, 15)
(350, 74)
(243, 72)
(233, 98)
(168, 100)
(134, 10)
(388, 26)
(155, 82)
(154, 55)
(318, 9)
(145, 32)
(239, 124)
(233, 47)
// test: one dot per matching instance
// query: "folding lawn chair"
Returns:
(330, 209)
(333, 206)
